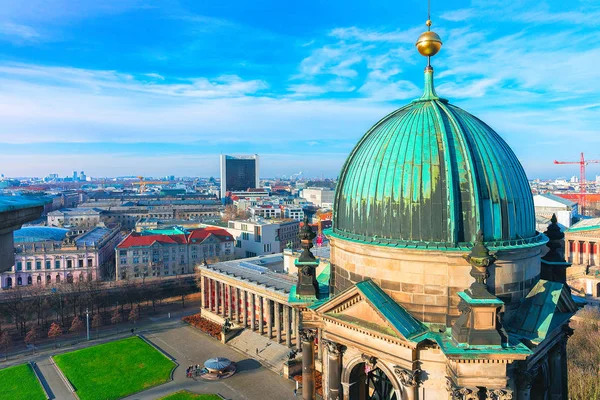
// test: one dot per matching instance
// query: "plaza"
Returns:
(185, 346)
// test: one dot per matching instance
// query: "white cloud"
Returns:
(462, 14)
(18, 32)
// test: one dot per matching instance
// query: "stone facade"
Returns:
(426, 282)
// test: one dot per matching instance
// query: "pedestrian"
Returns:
(295, 391)
(257, 351)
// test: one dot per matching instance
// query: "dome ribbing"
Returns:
(431, 175)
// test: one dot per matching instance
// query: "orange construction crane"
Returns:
(582, 182)
(142, 183)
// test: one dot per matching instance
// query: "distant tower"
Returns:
(74, 175)
(239, 173)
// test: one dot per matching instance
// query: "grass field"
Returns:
(185, 395)
(114, 370)
(20, 383)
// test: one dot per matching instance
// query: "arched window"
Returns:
(9, 282)
(57, 278)
(69, 278)
(80, 277)
(19, 281)
(48, 279)
(29, 280)
(39, 280)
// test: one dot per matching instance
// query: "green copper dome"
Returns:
(431, 175)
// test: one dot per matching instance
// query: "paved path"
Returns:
(189, 346)
(51, 380)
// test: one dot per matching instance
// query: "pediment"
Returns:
(367, 306)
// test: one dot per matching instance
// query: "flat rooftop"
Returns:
(256, 272)
(13, 203)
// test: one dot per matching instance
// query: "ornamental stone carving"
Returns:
(461, 393)
(370, 360)
(498, 394)
(408, 378)
(307, 335)
(333, 348)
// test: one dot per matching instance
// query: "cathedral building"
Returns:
(440, 286)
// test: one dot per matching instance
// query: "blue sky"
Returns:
(120, 87)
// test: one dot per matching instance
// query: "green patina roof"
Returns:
(400, 319)
(547, 306)
(167, 231)
(431, 175)
(12, 203)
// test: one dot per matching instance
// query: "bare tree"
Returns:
(76, 325)
(116, 317)
(54, 332)
(5, 342)
(134, 314)
(97, 323)
(32, 337)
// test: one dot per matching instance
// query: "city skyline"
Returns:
(128, 87)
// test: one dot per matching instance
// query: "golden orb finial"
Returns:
(429, 43)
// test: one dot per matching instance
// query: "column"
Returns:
(409, 379)
(222, 290)
(278, 321)
(210, 294)
(288, 326)
(230, 301)
(203, 301)
(567, 249)
(588, 253)
(261, 315)
(245, 308)
(217, 297)
(253, 310)
(308, 364)
(319, 345)
(556, 373)
(297, 328)
(334, 369)
(269, 318)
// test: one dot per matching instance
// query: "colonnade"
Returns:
(264, 315)
(581, 252)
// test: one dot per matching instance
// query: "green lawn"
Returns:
(20, 383)
(185, 395)
(115, 370)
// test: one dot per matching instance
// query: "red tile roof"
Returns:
(135, 239)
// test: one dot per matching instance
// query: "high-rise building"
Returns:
(238, 173)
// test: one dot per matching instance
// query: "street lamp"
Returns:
(87, 317)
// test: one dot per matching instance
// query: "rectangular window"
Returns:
(69, 263)
(80, 263)
(123, 261)
(136, 260)
(48, 265)
(90, 262)
(19, 266)
(245, 236)
(28, 265)
(57, 264)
